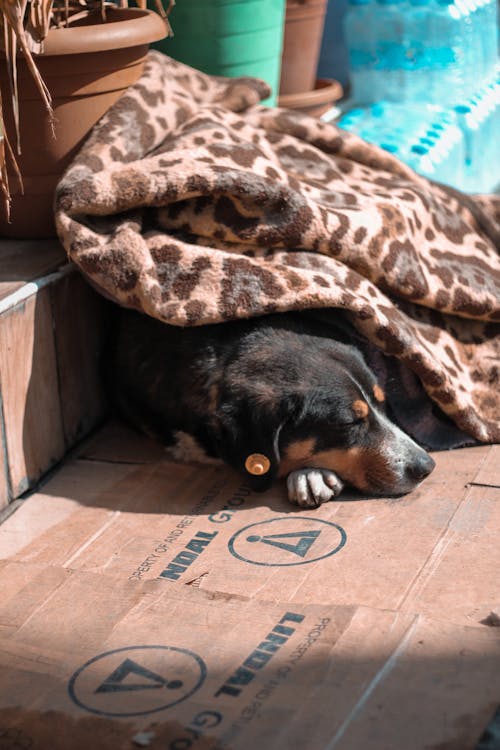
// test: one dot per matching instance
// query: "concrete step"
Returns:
(51, 335)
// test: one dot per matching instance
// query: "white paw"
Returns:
(311, 487)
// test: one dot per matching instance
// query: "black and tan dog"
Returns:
(273, 397)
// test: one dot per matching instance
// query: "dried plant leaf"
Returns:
(26, 31)
(10, 48)
(4, 182)
(13, 12)
(165, 13)
(6, 150)
(13, 163)
(39, 19)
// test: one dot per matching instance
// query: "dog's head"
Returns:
(292, 400)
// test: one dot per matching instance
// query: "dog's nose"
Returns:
(420, 467)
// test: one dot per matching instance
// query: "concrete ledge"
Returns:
(51, 335)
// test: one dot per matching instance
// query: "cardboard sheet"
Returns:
(434, 552)
(146, 603)
(94, 662)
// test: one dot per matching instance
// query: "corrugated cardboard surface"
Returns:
(241, 673)
(140, 591)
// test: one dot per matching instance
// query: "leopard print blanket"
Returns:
(192, 202)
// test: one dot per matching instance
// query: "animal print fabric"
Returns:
(192, 202)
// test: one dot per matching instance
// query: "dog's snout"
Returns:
(420, 467)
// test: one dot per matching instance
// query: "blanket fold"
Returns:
(194, 204)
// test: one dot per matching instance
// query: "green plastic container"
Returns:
(229, 38)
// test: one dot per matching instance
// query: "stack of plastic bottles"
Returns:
(433, 145)
(425, 85)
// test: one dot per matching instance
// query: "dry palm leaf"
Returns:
(10, 47)
(5, 149)
(4, 181)
(13, 13)
(163, 13)
(39, 21)
(42, 15)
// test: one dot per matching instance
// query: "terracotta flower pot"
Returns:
(86, 68)
(315, 102)
(304, 22)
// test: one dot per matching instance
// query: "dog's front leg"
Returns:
(311, 487)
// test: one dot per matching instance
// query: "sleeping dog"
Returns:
(274, 396)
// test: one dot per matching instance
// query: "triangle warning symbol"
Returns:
(303, 543)
(115, 682)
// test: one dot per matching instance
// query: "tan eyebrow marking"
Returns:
(360, 408)
(378, 393)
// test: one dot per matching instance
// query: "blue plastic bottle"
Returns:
(425, 138)
(418, 70)
(489, 31)
(481, 35)
(389, 30)
(439, 156)
(358, 33)
(478, 119)
(451, 50)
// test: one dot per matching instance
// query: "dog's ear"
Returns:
(249, 434)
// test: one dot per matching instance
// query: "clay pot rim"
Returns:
(124, 27)
(325, 90)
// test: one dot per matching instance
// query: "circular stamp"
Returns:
(137, 680)
(287, 540)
